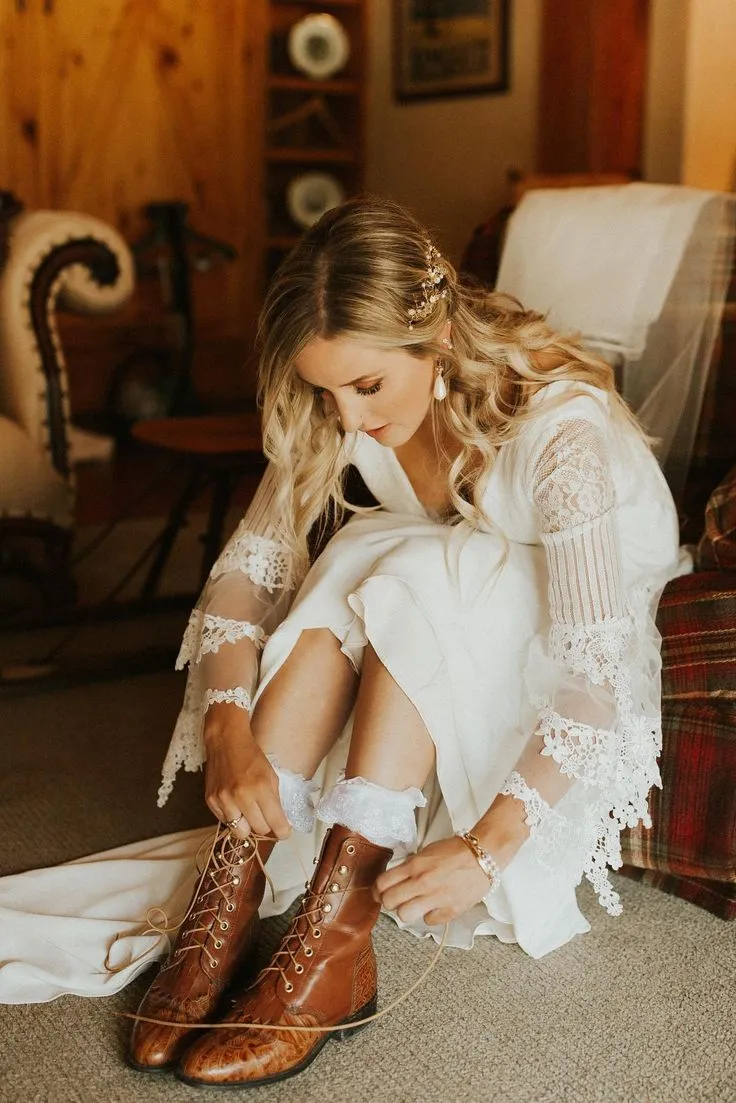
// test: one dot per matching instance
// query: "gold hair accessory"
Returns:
(432, 290)
(485, 860)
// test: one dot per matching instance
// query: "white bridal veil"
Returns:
(641, 271)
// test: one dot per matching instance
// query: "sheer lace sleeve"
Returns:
(593, 681)
(248, 593)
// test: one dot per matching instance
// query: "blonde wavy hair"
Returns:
(356, 274)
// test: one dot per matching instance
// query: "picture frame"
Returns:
(450, 48)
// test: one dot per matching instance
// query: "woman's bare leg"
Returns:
(305, 707)
(390, 745)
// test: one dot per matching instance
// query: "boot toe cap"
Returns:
(244, 1058)
(156, 1048)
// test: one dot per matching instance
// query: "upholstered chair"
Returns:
(48, 259)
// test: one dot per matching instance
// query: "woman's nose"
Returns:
(350, 415)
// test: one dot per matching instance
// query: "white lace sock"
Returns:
(295, 794)
(383, 816)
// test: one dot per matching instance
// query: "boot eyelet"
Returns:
(327, 907)
(214, 963)
(308, 951)
(334, 887)
(343, 870)
(288, 987)
(234, 880)
(350, 848)
(316, 933)
(218, 943)
(224, 926)
(299, 969)
(230, 907)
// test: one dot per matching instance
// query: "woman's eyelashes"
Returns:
(319, 392)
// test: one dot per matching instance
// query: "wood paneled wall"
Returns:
(110, 104)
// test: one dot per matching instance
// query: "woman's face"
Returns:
(384, 393)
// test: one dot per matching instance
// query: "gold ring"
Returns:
(234, 823)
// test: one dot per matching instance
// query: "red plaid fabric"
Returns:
(717, 548)
(691, 848)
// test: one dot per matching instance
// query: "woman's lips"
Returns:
(375, 432)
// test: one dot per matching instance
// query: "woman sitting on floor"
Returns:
(480, 648)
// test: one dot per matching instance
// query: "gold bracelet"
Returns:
(485, 860)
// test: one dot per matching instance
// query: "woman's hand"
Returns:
(439, 883)
(239, 779)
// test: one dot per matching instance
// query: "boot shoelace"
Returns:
(305, 922)
(225, 856)
(227, 865)
(304, 913)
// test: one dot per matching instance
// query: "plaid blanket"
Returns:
(691, 848)
(717, 548)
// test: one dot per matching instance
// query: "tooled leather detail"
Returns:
(253, 1054)
(160, 1005)
(310, 981)
(365, 979)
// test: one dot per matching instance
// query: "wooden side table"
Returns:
(219, 450)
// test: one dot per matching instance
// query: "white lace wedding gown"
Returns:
(528, 647)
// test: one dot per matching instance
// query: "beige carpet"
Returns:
(641, 1010)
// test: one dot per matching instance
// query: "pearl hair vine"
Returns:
(432, 289)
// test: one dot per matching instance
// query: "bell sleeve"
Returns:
(248, 593)
(592, 680)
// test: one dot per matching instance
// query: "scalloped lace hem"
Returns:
(205, 634)
(236, 696)
(264, 561)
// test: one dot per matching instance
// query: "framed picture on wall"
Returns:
(450, 47)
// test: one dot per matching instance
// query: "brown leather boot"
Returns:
(214, 942)
(323, 974)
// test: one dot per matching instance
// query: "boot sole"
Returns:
(339, 1035)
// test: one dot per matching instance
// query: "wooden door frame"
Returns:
(592, 86)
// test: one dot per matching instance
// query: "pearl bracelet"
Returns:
(485, 860)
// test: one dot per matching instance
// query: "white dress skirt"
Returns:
(527, 646)
(457, 645)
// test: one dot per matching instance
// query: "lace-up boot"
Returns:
(214, 942)
(323, 974)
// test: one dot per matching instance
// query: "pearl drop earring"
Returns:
(440, 387)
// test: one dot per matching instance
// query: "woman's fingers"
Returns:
(258, 823)
(392, 877)
(274, 814)
(242, 828)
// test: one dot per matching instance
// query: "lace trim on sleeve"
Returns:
(595, 650)
(572, 482)
(186, 749)
(205, 634)
(264, 561)
(237, 696)
(594, 681)
(535, 807)
(546, 826)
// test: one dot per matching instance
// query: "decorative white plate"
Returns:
(318, 46)
(308, 196)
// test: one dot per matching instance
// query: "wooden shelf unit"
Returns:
(310, 125)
